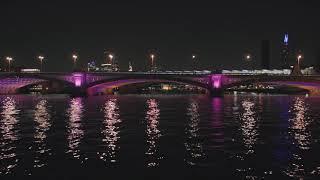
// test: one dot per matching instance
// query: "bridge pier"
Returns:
(216, 89)
(79, 80)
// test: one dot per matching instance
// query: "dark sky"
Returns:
(220, 31)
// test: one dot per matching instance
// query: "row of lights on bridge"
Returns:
(248, 57)
(75, 58)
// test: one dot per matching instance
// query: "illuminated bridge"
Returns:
(93, 83)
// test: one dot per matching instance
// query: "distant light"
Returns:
(152, 56)
(74, 56)
(30, 70)
(166, 87)
(110, 56)
(248, 57)
(40, 57)
(9, 58)
(286, 39)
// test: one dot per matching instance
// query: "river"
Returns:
(246, 136)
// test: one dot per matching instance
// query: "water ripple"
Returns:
(9, 135)
(43, 124)
(75, 130)
(111, 131)
(193, 142)
(153, 133)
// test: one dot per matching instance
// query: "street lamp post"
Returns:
(111, 58)
(74, 57)
(9, 59)
(41, 61)
(152, 61)
(248, 59)
(111, 62)
(194, 62)
(299, 57)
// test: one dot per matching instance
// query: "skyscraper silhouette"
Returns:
(285, 52)
(265, 54)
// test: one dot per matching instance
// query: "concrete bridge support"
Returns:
(216, 88)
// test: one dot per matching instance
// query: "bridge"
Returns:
(94, 82)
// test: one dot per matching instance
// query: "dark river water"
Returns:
(160, 137)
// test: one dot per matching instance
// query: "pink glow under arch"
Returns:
(216, 81)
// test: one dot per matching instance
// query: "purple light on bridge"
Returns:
(216, 81)
(77, 79)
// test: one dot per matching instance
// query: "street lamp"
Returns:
(299, 57)
(111, 58)
(74, 57)
(9, 59)
(41, 61)
(152, 58)
(194, 62)
(248, 57)
(152, 61)
(248, 60)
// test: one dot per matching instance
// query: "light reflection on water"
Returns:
(111, 131)
(42, 119)
(74, 127)
(300, 123)
(300, 131)
(249, 125)
(247, 136)
(246, 112)
(9, 135)
(193, 143)
(153, 133)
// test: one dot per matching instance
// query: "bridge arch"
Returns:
(12, 83)
(310, 84)
(100, 86)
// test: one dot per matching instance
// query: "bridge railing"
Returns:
(101, 72)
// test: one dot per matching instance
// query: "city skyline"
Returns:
(38, 61)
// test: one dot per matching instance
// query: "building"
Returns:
(130, 67)
(285, 52)
(265, 54)
(92, 66)
(111, 64)
(106, 67)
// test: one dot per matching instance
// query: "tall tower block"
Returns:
(285, 52)
(265, 54)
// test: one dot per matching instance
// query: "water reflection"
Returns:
(299, 130)
(300, 123)
(111, 130)
(249, 125)
(193, 143)
(75, 131)
(42, 126)
(153, 132)
(217, 122)
(9, 136)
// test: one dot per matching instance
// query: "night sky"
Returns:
(219, 32)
